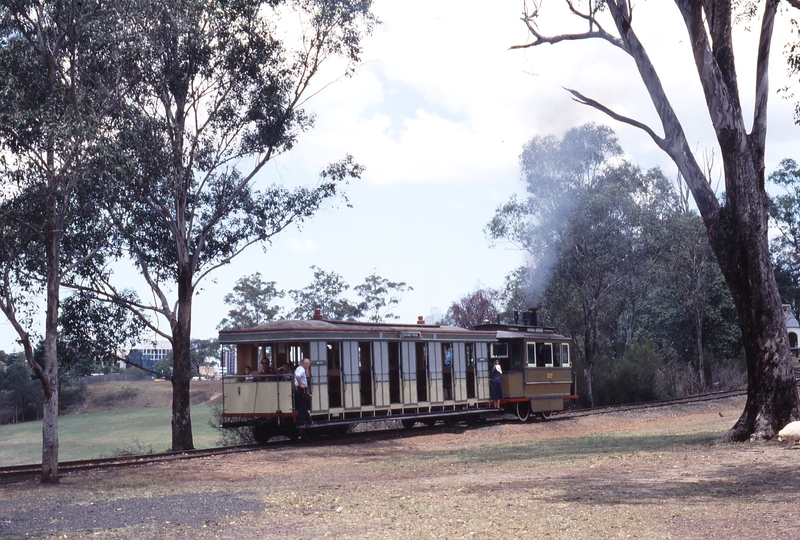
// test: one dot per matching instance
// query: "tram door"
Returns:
(350, 374)
(459, 366)
(408, 371)
(447, 371)
(380, 367)
(469, 353)
(435, 370)
(394, 372)
(365, 372)
(422, 372)
(334, 375)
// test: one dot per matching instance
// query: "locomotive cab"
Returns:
(537, 368)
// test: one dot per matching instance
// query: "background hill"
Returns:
(112, 418)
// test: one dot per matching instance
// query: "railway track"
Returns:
(16, 473)
(21, 472)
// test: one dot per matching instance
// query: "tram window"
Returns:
(565, 362)
(469, 351)
(499, 350)
(334, 359)
(557, 355)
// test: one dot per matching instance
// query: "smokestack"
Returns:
(420, 320)
(533, 318)
(317, 315)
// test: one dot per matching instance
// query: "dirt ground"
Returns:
(641, 474)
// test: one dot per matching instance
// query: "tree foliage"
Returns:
(479, 307)
(326, 294)
(380, 296)
(252, 300)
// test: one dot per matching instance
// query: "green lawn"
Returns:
(93, 435)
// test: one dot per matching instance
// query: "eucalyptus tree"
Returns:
(220, 90)
(380, 296)
(326, 295)
(62, 69)
(251, 299)
(737, 226)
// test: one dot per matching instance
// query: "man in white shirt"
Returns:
(300, 389)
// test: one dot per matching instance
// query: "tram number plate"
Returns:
(550, 375)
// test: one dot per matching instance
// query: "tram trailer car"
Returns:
(367, 372)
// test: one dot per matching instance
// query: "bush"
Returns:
(630, 379)
(70, 397)
(229, 436)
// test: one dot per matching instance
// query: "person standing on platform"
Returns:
(301, 390)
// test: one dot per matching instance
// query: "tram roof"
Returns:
(331, 330)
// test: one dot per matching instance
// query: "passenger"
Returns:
(283, 372)
(496, 385)
(248, 374)
(302, 392)
(265, 369)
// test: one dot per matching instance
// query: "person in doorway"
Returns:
(301, 390)
(496, 385)
(265, 369)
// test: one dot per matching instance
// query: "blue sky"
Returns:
(438, 112)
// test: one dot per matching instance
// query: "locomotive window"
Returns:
(516, 354)
(544, 355)
(531, 355)
(499, 350)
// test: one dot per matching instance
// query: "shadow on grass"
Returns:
(580, 448)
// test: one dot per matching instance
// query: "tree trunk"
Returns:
(701, 367)
(49, 375)
(181, 366)
(591, 348)
(771, 386)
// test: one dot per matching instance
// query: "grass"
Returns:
(99, 434)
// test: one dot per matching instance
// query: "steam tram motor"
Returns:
(367, 372)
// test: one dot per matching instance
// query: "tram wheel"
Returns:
(408, 423)
(451, 421)
(339, 432)
(310, 435)
(261, 433)
(430, 423)
(523, 410)
(545, 415)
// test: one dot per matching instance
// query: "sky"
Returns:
(438, 111)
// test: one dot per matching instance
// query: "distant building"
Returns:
(148, 354)
(228, 360)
